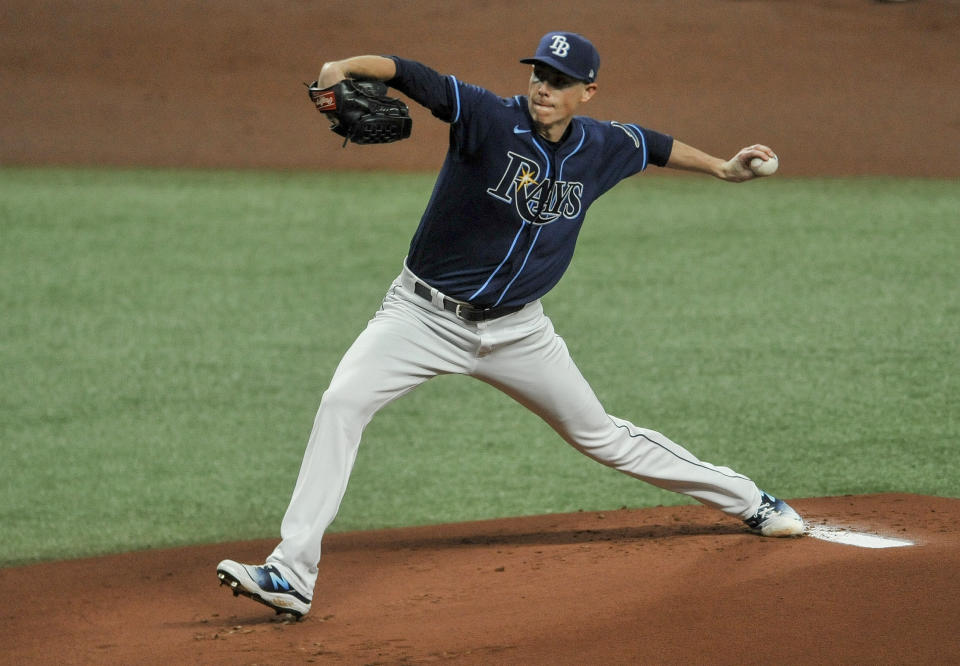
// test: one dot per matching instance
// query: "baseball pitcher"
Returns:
(497, 234)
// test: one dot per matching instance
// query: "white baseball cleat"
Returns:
(775, 518)
(264, 584)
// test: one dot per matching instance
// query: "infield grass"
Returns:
(166, 336)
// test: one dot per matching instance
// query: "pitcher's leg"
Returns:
(655, 458)
(541, 375)
(390, 358)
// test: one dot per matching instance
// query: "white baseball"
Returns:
(763, 167)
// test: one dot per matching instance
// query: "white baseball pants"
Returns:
(410, 340)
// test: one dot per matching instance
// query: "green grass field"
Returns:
(166, 335)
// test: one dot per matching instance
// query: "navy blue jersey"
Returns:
(503, 219)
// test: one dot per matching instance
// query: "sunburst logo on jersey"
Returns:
(526, 178)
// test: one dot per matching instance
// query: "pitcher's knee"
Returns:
(345, 402)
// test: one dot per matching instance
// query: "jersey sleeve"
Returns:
(427, 87)
(628, 149)
(659, 147)
(471, 110)
(641, 144)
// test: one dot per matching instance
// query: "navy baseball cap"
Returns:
(569, 53)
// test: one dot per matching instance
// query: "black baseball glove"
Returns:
(361, 111)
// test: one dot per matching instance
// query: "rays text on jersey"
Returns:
(537, 201)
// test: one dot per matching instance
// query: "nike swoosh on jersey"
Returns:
(517, 130)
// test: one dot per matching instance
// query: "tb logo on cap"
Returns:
(560, 47)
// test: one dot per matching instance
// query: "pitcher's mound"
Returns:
(664, 585)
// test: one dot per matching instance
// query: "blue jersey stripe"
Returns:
(456, 92)
(583, 137)
(546, 158)
(509, 284)
(497, 269)
(643, 141)
(546, 161)
(513, 245)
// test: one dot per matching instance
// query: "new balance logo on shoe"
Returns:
(278, 581)
(264, 584)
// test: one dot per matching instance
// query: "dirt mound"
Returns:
(665, 585)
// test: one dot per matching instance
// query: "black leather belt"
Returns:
(465, 311)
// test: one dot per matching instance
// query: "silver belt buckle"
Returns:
(463, 308)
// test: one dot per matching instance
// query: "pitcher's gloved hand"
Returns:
(362, 112)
